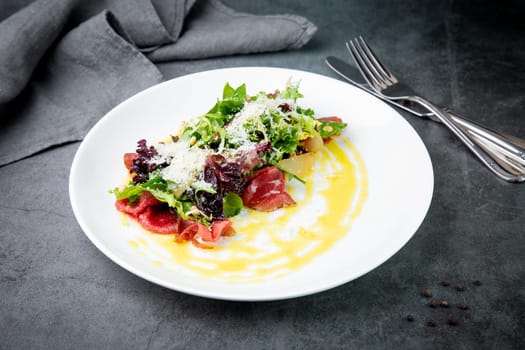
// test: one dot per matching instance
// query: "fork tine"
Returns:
(363, 67)
(371, 63)
(376, 61)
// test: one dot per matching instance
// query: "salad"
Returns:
(238, 155)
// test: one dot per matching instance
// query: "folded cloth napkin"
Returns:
(65, 63)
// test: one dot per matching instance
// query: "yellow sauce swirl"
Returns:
(270, 245)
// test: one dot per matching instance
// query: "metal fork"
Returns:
(381, 79)
(510, 149)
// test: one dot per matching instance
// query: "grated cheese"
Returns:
(185, 162)
(250, 114)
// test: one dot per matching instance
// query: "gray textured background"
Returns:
(58, 291)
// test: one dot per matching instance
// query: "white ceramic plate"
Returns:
(400, 177)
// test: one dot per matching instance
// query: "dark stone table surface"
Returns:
(58, 291)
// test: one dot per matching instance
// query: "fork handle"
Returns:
(514, 145)
(494, 160)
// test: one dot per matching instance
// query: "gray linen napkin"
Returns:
(65, 63)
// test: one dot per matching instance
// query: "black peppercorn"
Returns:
(427, 293)
(443, 303)
(445, 283)
(463, 306)
(477, 283)
(459, 287)
(432, 303)
(410, 318)
(452, 321)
